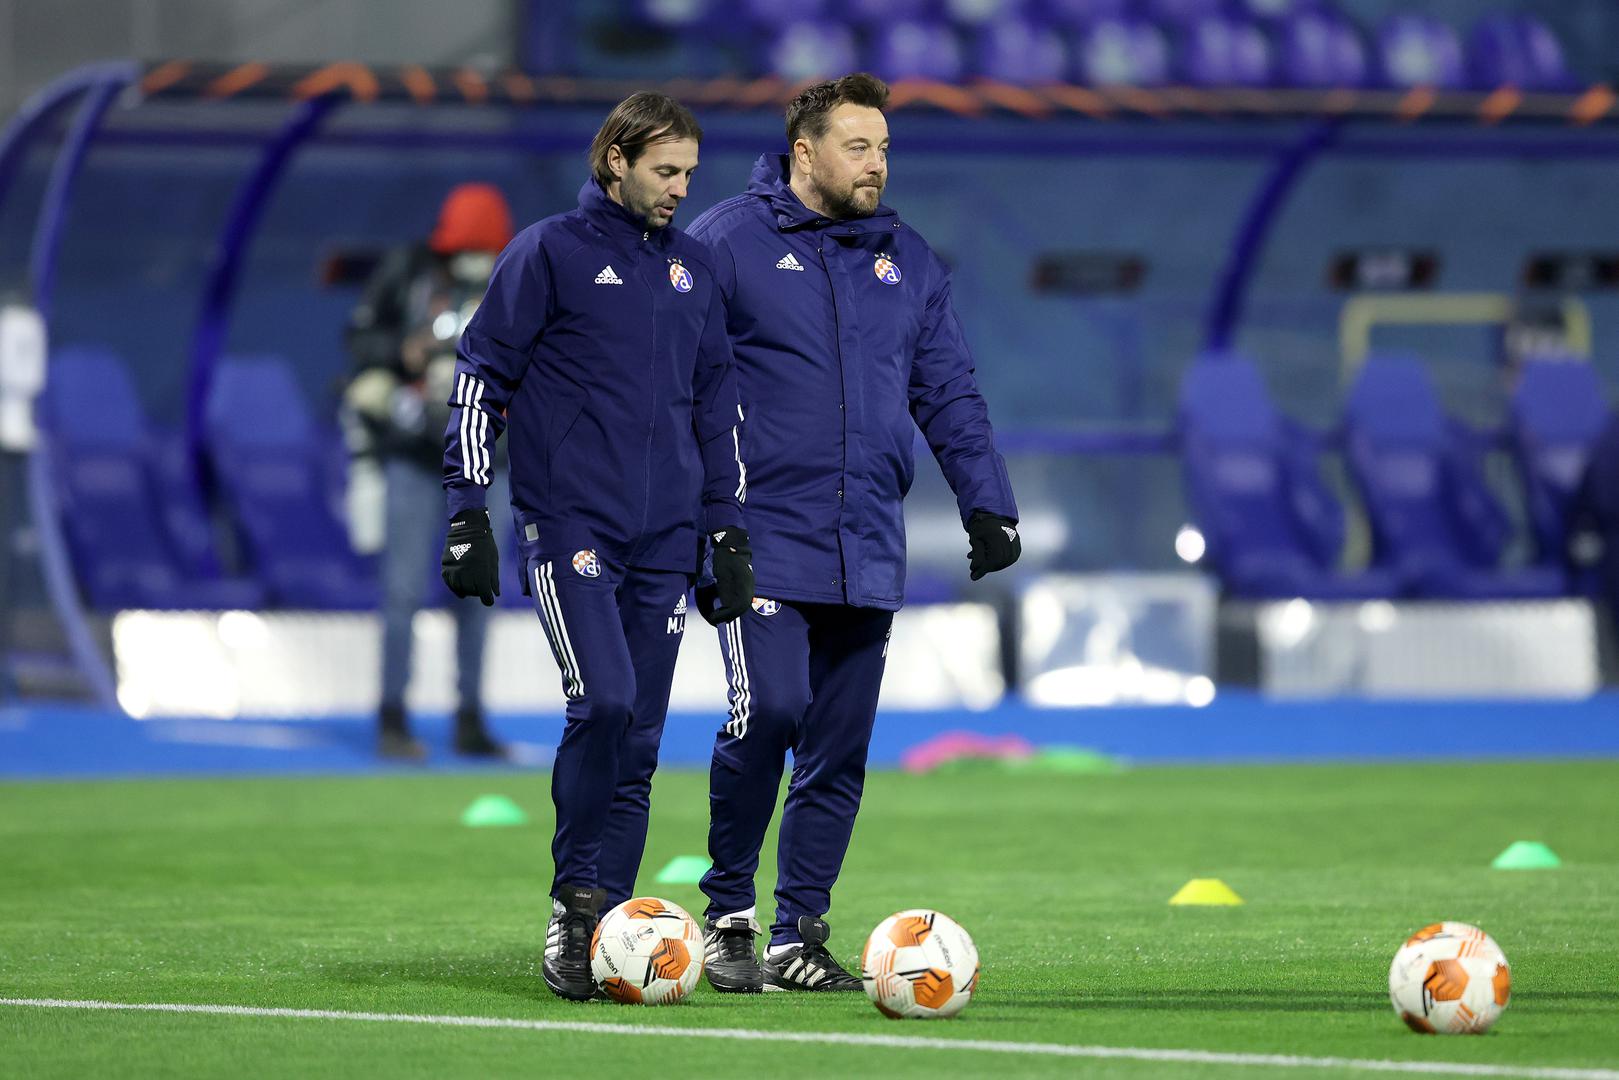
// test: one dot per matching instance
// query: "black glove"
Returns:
(471, 564)
(732, 591)
(994, 543)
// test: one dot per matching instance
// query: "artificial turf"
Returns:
(368, 895)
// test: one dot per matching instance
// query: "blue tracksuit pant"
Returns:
(615, 632)
(803, 678)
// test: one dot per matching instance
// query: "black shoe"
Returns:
(808, 966)
(567, 942)
(399, 746)
(474, 741)
(729, 961)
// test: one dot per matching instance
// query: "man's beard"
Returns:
(846, 204)
(641, 205)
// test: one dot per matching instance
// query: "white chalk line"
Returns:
(835, 1038)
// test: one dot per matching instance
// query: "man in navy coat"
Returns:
(601, 348)
(846, 341)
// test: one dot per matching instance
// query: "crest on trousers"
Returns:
(765, 607)
(887, 270)
(679, 276)
(585, 563)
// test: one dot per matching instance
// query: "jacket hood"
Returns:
(769, 182)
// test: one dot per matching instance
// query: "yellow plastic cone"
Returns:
(1206, 891)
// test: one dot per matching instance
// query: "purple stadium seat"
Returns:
(673, 14)
(876, 12)
(1418, 50)
(1019, 51)
(781, 12)
(114, 503)
(916, 49)
(1121, 52)
(1272, 10)
(1217, 52)
(976, 13)
(1180, 12)
(1078, 14)
(1559, 409)
(1253, 485)
(812, 50)
(1319, 49)
(1435, 524)
(1517, 50)
(271, 463)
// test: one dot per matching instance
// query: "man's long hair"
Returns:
(635, 124)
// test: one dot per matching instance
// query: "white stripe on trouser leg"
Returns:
(573, 683)
(741, 692)
(461, 398)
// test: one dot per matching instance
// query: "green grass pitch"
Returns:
(368, 895)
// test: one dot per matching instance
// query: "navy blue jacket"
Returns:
(846, 340)
(601, 345)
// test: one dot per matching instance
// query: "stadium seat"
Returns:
(271, 463)
(1253, 483)
(1559, 409)
(1520, 51)
(812, 50)
(1079, 14)
(781, 12)
(916, 49)
(1271, 10)
(1121, 52)
(877, 12)
(1434, 522)
(1418, 50)
(122, 518)
(1181, 12)
(1319, 49)
(1020, 51)
(1219, 52)
(979, 13)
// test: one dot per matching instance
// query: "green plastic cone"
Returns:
(683, 870)
(491, 810)
(1527, 855)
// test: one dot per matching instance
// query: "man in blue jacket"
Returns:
(601, 346)
(846, 341)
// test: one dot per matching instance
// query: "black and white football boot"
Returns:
(808, 966)
(567, 942)
(729, 960)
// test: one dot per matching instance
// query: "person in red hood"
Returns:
(403, 336)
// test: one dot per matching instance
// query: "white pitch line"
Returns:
(834, 1038)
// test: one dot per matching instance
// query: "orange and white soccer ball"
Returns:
(919, 964)
(647, 951)
(1450, 979)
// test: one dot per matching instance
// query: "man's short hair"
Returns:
(635, 124)
(810, 113)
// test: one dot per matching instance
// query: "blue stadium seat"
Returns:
(1419, 50)
(978, 13)
(1121, 52)
(271, 462)
(1559, 409)
(1319, 50)
(1520, 51)
(130, 544)
(1434, 522)
(1253, 483)
(1078, 14)
(781, 12)
(877, 12)
(916, 49)
(811, 50)
(1181, 12)
(1020, 51)
(1220, 52)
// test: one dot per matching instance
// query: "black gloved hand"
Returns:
(994, 543)
(732, 591)
(471, 563)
